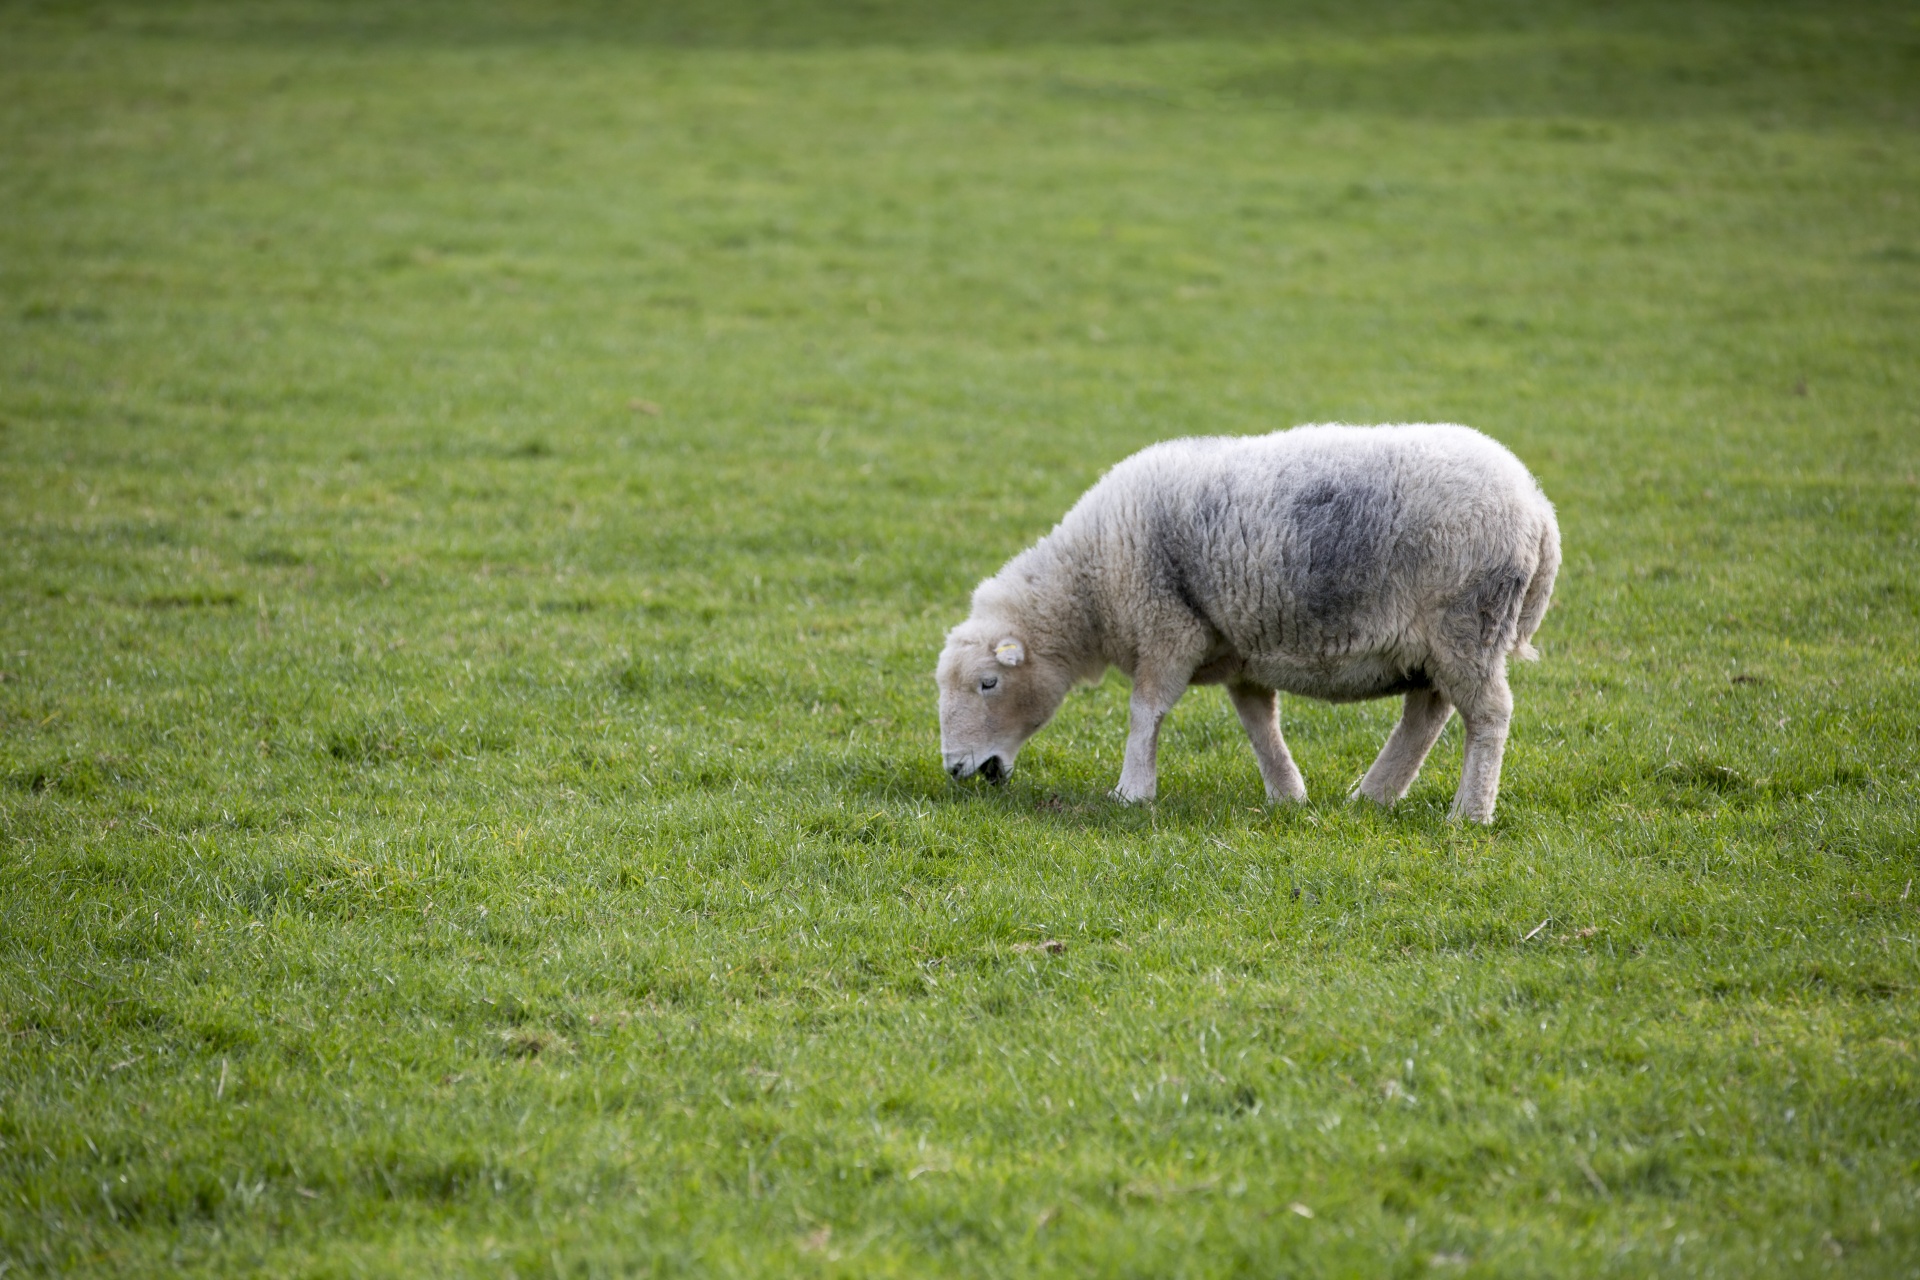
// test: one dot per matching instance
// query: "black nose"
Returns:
(990, 769)
(955, 769)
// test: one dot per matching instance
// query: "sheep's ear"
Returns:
(1009, 652)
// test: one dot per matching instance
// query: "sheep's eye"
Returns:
(989, 682)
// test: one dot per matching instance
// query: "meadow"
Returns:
(482, 488)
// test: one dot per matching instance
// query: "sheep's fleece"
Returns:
(1334, 561)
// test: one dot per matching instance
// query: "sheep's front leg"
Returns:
(1421, 720)
(1259, 711)
(1486, 715)
(1152, 699)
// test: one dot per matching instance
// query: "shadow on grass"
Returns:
(1065, 806)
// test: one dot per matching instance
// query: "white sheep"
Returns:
(1334, 561)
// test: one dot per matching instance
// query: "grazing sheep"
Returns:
(1333, 561)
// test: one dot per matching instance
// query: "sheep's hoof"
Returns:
(1128, 797)
(1373, 796)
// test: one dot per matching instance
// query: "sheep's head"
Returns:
(994, 695)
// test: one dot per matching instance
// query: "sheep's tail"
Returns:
(1533, 605)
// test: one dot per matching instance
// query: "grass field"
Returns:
(481, 491)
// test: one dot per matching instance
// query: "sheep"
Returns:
(1333, 561)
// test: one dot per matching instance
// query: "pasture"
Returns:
(482, 488)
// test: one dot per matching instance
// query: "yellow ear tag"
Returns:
(1009, 653)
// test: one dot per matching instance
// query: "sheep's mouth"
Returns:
(992, 769)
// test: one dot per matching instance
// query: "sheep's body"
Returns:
(1332, 561)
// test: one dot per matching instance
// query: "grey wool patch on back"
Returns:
(1345, 526)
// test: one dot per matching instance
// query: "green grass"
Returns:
(457, 819)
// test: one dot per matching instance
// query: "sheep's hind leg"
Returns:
(1422, 718)
(1259, 710)
(1486, 715)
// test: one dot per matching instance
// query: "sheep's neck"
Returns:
(1055, 601)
